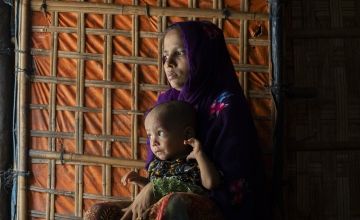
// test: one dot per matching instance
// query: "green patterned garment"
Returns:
(178, 175)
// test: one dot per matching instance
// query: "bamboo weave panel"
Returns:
(322, 133)
(96, 72)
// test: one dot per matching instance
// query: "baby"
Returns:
(179, 165)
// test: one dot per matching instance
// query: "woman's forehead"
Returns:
(173, 38)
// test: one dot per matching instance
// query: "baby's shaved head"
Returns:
(176, 113)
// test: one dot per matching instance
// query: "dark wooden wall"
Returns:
(322, 115)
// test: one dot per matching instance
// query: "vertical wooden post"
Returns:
(79, 115)
(135, 37)
(6, 106)
(278, 94)
(22, 69)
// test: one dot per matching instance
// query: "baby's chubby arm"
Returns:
(134, 178)
(210, 177)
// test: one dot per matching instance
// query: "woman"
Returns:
(199, 70)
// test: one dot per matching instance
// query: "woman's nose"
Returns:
(170, 61)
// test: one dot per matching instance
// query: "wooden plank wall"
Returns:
(323, 121)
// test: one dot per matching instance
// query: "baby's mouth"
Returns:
(157, 152)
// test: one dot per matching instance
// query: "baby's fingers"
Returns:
(124, 180)
(190, 141)
(126, 177)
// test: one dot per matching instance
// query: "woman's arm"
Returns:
(141, 203)
(210, 177)
(232, 138)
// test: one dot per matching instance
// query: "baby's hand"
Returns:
(130, 177)
(196, 145)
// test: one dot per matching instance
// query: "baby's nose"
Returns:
(153, 142)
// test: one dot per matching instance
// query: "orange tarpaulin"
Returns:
(94, 76)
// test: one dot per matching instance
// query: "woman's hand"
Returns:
(134, 178)
(196, 145)
(140, 205)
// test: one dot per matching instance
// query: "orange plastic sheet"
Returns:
(83, 104)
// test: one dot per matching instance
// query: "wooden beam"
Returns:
(71, 157)
(22, 97)
(116, 9)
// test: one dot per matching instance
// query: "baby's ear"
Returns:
(189, 132)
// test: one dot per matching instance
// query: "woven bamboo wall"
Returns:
(97, 68)
(323, 132)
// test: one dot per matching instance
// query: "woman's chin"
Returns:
(175, 84)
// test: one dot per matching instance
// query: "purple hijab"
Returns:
(229, 136)
(211, 69)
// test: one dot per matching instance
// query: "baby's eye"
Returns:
(148, 135)
(180, 52)
(160, 133)
(164, 58)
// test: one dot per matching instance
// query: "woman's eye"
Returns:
(180, 52)
(160, 133)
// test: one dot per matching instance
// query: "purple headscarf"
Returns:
(230, 139)
(211, 69)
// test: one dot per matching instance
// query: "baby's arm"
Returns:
(210, 178)
(134, 178)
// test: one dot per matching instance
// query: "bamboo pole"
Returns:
(214, 6)
(96, 31)
(219, 19)
(136, 60)
(192, 4)
(160, 30)
(22, 81)
(241, 46)
(135, 90)
(80, 90)
(107, 113)
(116, 9)
(142, 34)
(86, 109)
(163, 28)
(72, 163)
(245, 49)
(70, 135)
(76, 157)
(86, 195)
(6, 104)
(50, 208)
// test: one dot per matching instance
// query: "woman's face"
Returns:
(176, 65)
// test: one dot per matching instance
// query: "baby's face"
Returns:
(166, 140)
